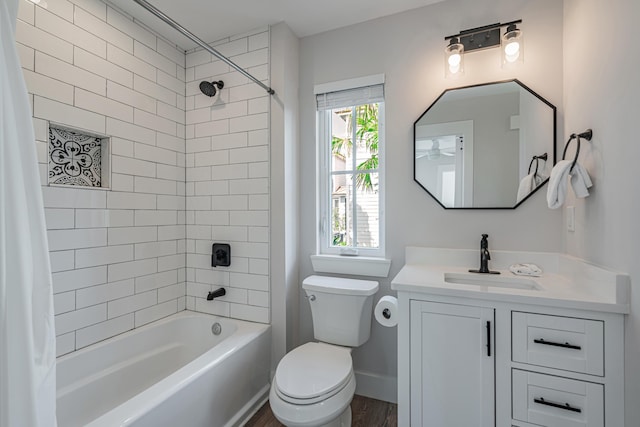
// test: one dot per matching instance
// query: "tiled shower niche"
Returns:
(77, 158)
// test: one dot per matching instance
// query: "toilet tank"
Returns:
(341, 309)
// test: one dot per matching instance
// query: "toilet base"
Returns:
(344, 420)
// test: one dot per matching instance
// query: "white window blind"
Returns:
(350, 97)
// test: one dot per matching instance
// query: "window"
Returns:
(350, 141)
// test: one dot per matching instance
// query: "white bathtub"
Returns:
(173, 372)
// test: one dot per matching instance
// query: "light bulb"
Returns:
(512, 48)
(512, 51)
(512, 45)
(454, 60)
(453, 57)
(454, 63)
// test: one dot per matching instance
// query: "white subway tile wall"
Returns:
(186, 172)
(227, 158)
(119, 256)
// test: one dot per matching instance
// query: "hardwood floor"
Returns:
(366, 412)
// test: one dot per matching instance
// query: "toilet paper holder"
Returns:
(386, 311)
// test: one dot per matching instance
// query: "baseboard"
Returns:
(376, 386)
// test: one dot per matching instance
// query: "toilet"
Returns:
(314, 383)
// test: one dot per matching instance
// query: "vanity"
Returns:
(507, 350)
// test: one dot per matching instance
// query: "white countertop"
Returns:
(565, 282)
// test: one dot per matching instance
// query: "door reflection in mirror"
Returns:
(444, 161)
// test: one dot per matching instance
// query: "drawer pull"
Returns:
(557, 344)
(566, 406)
(488, 339)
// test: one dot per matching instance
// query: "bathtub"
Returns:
(173, 372)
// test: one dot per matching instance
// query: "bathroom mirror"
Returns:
(487, 146)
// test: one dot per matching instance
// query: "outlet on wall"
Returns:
(571, 218)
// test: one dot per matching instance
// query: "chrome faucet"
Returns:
(485, 256)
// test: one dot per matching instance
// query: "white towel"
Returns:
(526, 269)
(527, 185)
(580, 181)
(557, 191)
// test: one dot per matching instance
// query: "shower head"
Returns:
(210, 88)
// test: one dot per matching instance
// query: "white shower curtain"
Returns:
(27, 337)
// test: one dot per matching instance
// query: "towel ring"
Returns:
(536, 158)
(588, 134)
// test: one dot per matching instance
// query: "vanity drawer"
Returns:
(566, 343)
(552, 401)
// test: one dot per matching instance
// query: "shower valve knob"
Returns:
(221, 255)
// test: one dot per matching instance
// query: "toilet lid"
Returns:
(313, 370)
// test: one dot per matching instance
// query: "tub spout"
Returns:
(215, 294)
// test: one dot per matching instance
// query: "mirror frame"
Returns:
(528, 89)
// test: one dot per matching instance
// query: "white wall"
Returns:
(602, 92)
(227, 145)
(536, 118)
(285, 175)
(117, 256)
(408, 49)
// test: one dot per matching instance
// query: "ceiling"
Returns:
(214, 20)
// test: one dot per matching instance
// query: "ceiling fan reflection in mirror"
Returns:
(435, 147)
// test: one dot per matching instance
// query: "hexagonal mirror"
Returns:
(488, 146)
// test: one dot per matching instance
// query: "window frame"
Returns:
(324, 177)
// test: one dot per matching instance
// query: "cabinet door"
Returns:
(452, 365)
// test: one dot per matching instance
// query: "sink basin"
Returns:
(491, 280)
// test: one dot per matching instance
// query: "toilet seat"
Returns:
(313, 372)
(323, 413)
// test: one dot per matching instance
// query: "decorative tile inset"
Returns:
(74, 158)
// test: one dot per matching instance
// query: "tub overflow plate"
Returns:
(216, 329)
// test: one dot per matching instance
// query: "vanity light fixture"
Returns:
(480, 38)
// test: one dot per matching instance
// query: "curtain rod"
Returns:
(155, 11)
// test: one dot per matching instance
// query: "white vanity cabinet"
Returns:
(483, 350)
(451, 364)
(465, 362)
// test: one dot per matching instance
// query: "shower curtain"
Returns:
(27, 337)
